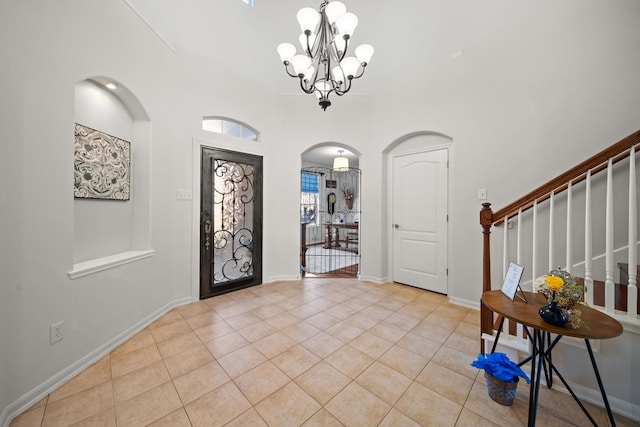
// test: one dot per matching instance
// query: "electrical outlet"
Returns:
(56, 332)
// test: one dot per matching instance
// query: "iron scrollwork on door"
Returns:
(231, 221)
(233, 204)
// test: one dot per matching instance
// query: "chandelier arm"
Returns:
(346, 47)
(310, 90)
(342, 92)
(308, 51)
(286, 68)
(362, 67)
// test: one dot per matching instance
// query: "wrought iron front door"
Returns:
(230, 221)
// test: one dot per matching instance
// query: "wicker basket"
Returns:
(500, 391)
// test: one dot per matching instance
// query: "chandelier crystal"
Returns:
(323, 67)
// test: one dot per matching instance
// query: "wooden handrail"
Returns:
(616, 152)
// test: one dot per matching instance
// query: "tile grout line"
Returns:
(251, 302)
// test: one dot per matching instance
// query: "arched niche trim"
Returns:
(118, 112)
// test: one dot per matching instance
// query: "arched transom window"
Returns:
(230, 127)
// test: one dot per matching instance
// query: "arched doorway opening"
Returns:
(330, 214)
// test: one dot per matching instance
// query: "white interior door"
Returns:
(420, 220)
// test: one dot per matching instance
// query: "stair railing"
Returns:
(547, 194)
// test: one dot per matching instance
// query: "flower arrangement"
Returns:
(561, 289)
(347, 193)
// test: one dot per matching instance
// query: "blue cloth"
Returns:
(499, 365)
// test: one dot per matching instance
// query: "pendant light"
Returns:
(340, 163)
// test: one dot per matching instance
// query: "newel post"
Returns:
(486, 315)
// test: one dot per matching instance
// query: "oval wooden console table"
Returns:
(600, 326)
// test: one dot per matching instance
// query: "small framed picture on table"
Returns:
(512, 281)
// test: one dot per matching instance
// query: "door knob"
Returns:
(396, 225)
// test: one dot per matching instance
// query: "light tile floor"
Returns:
(316, 352)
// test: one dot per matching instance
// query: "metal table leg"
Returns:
(600, 385)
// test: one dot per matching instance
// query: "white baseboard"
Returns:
(283, 278)
(373, 279)
(36, 394)
(465, 303)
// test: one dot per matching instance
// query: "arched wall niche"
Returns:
(108, 233)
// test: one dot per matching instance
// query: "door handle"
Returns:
(396, 225)
(207, 233)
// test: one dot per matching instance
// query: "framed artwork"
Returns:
(512, 280)
(101, 165)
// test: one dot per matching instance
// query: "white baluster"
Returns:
(518, 238)
(534, 259)
(520, 331)
(505, 328)
(609, 285)
(505, 247)
(569, 244)
(519, 328)
(551, 199)
(588, 255)
(632, 289)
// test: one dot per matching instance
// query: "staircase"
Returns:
(575, 222)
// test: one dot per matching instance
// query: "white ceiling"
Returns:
(403, 33)
(244, 39)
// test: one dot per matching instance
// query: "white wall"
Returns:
(51, 51)
(532, 96)
(536, 95)
(10, 222)
(346, 122)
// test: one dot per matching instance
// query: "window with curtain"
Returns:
(309, 197)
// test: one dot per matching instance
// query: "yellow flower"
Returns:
(554, 283)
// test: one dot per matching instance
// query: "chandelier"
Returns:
(324, 68)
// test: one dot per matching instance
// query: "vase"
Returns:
(552, 313)
(349, 203)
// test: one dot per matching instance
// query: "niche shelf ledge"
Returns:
(92, 266)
